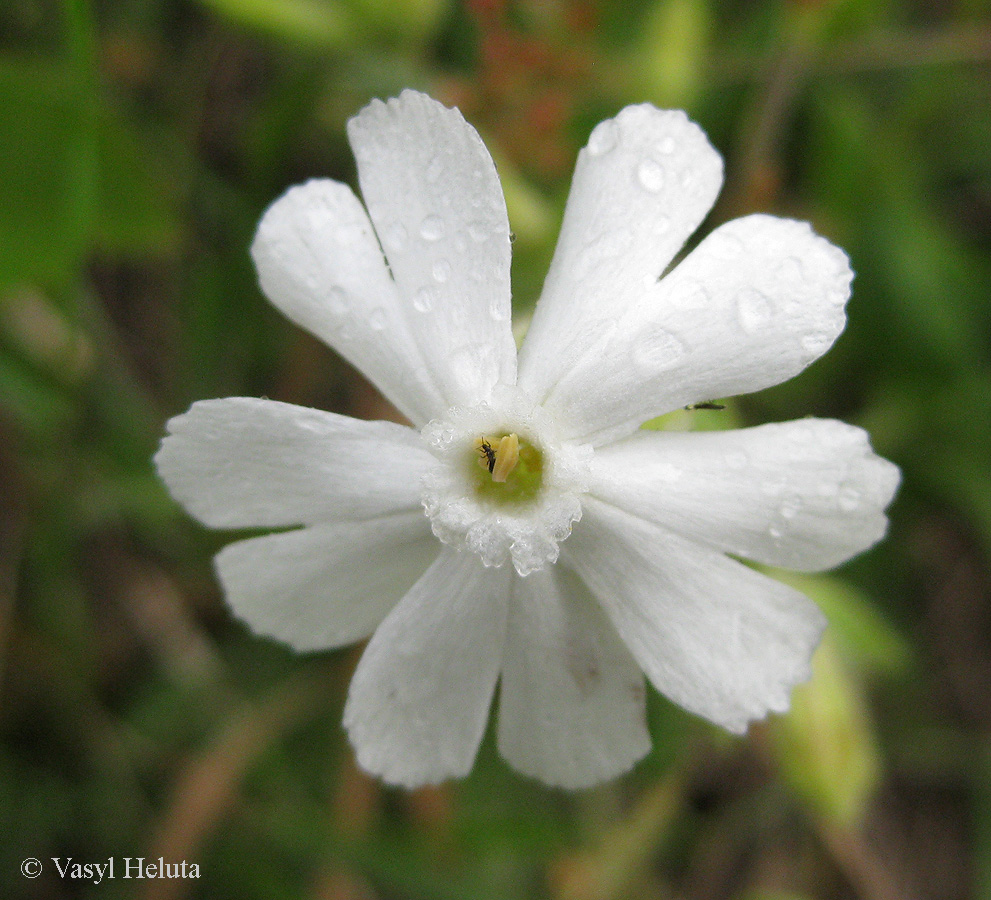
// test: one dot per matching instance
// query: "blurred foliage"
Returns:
(140, 141)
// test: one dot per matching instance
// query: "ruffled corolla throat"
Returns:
(507, 488)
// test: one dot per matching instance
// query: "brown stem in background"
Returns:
(208, 786)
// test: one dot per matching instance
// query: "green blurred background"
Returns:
(140, 141)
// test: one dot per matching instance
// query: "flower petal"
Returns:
(434, 196)
(327, 585)
(242, 462)
(571, 699)
(803, 495)
(716, 637)
(754, 304)
(319, 262)
(642, 185)
(420, 697)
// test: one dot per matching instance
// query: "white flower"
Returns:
(492, 584)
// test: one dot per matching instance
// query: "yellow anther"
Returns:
(500, 459)
(507, 455)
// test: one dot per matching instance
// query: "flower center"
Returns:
(506, 487)
(509, 469)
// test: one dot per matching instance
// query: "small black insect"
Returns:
(490, 455)
(706, 404)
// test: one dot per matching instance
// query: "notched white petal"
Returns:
(755, 303)
(437, 205)
(571, 697)
(319, 262)
(642, 185)
(243, 462)
(328, 585)
(420, 697)
(804, 495)
(721, 640)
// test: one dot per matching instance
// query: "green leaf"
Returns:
(47, 172)
(310, 22)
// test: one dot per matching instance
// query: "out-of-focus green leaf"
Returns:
(138, 196)
(861, 633)
(47, 172)
(672, 54)
(825, 747)
(318, 23)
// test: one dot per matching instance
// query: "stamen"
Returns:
(507, 455)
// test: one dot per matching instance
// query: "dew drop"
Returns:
(828, 489)
(667, 145)
(432, 228)
(441, 270)
(753, 310)
(478, 232)
(774, 532)
(423, 300)
(816, 344)
(603, 138)
(396, 236)
(736, 460)
(337, 299)
(849, 499)
(657, 349)
(791, 269)
(650, 174)
(724, 245)
(662, 224)
(434, 169)
(377, 319)
(687, 294)
(498, 310)
(791, 508)
(773, 488)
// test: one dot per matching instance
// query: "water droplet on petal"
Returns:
(657, 349)
(774, 532)
(828, 489)
(791, 269)
(498, 310)
(337, 300)
(434, 169)
(377, 319)
(432, 228)
(478, 232)
(396, 236)
(790, 508)
(650, 174)
(773, 488)
(688, 294)
(736, 460)
(662, 224)
(724, 244)
(849, 499)
(441, 270)
(603, 138)
(667, 145)
(753, 310)
(423, 299)
(816, 344)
